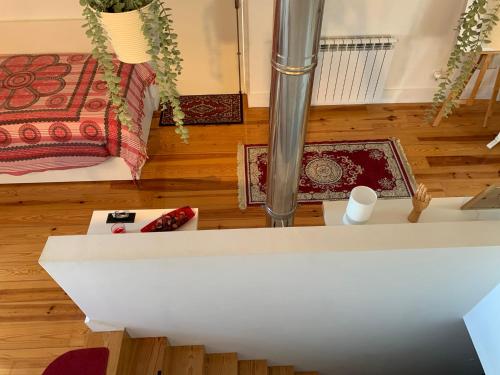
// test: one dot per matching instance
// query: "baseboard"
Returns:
(98, 326)
(418, 95)
(258, 99)
(395, 95)
(424, 95)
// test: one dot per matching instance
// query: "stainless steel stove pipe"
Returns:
(297, 28)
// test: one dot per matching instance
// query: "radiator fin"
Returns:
(352, 70)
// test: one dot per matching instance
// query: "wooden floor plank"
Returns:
(32, 335)
(40, 311)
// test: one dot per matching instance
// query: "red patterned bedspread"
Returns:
(55, 113)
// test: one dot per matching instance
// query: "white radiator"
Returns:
(352, 70)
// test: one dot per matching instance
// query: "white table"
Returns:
(395, 211)
(98, 222)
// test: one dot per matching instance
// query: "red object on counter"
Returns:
(118, 228)
(170, 221)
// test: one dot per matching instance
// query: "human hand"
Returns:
(420, 201)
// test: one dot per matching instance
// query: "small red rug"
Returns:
(208, 109)
(330, 170)
(93, 361)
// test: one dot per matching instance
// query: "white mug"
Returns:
(360, 206)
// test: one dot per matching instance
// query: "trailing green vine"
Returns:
(165, 59)
(474, 28)
(163, 51)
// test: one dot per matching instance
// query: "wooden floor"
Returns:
(38, 321)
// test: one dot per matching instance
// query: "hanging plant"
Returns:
(474, 28)
(140, 31)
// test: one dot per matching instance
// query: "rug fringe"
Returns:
(242, 198)
(406, 163)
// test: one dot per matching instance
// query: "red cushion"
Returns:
(92, 361)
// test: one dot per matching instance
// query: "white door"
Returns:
(208, 43)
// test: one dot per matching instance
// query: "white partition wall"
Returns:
(483, 324)
(377, 299)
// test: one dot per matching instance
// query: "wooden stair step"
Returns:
(154, 356)
(117, 343)
(221, 364)
(186, 360)
(281, 370)
(145, 356)
(257, 367)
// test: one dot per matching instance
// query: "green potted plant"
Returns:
(474, 29)
(139, 31)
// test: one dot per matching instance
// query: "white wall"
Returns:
(483, 323)
(209, 45)
(43, 36)
(20, 10)
(30, 26)
(207, 37)
(424, 29)
(375, 299)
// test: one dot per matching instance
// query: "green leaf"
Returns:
(163, 49)
(473, 29)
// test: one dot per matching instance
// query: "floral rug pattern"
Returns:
(330, 170)
(207, 110)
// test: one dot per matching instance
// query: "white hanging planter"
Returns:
(126, 36)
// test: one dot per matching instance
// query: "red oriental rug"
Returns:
(330, 170)
(207, 110)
